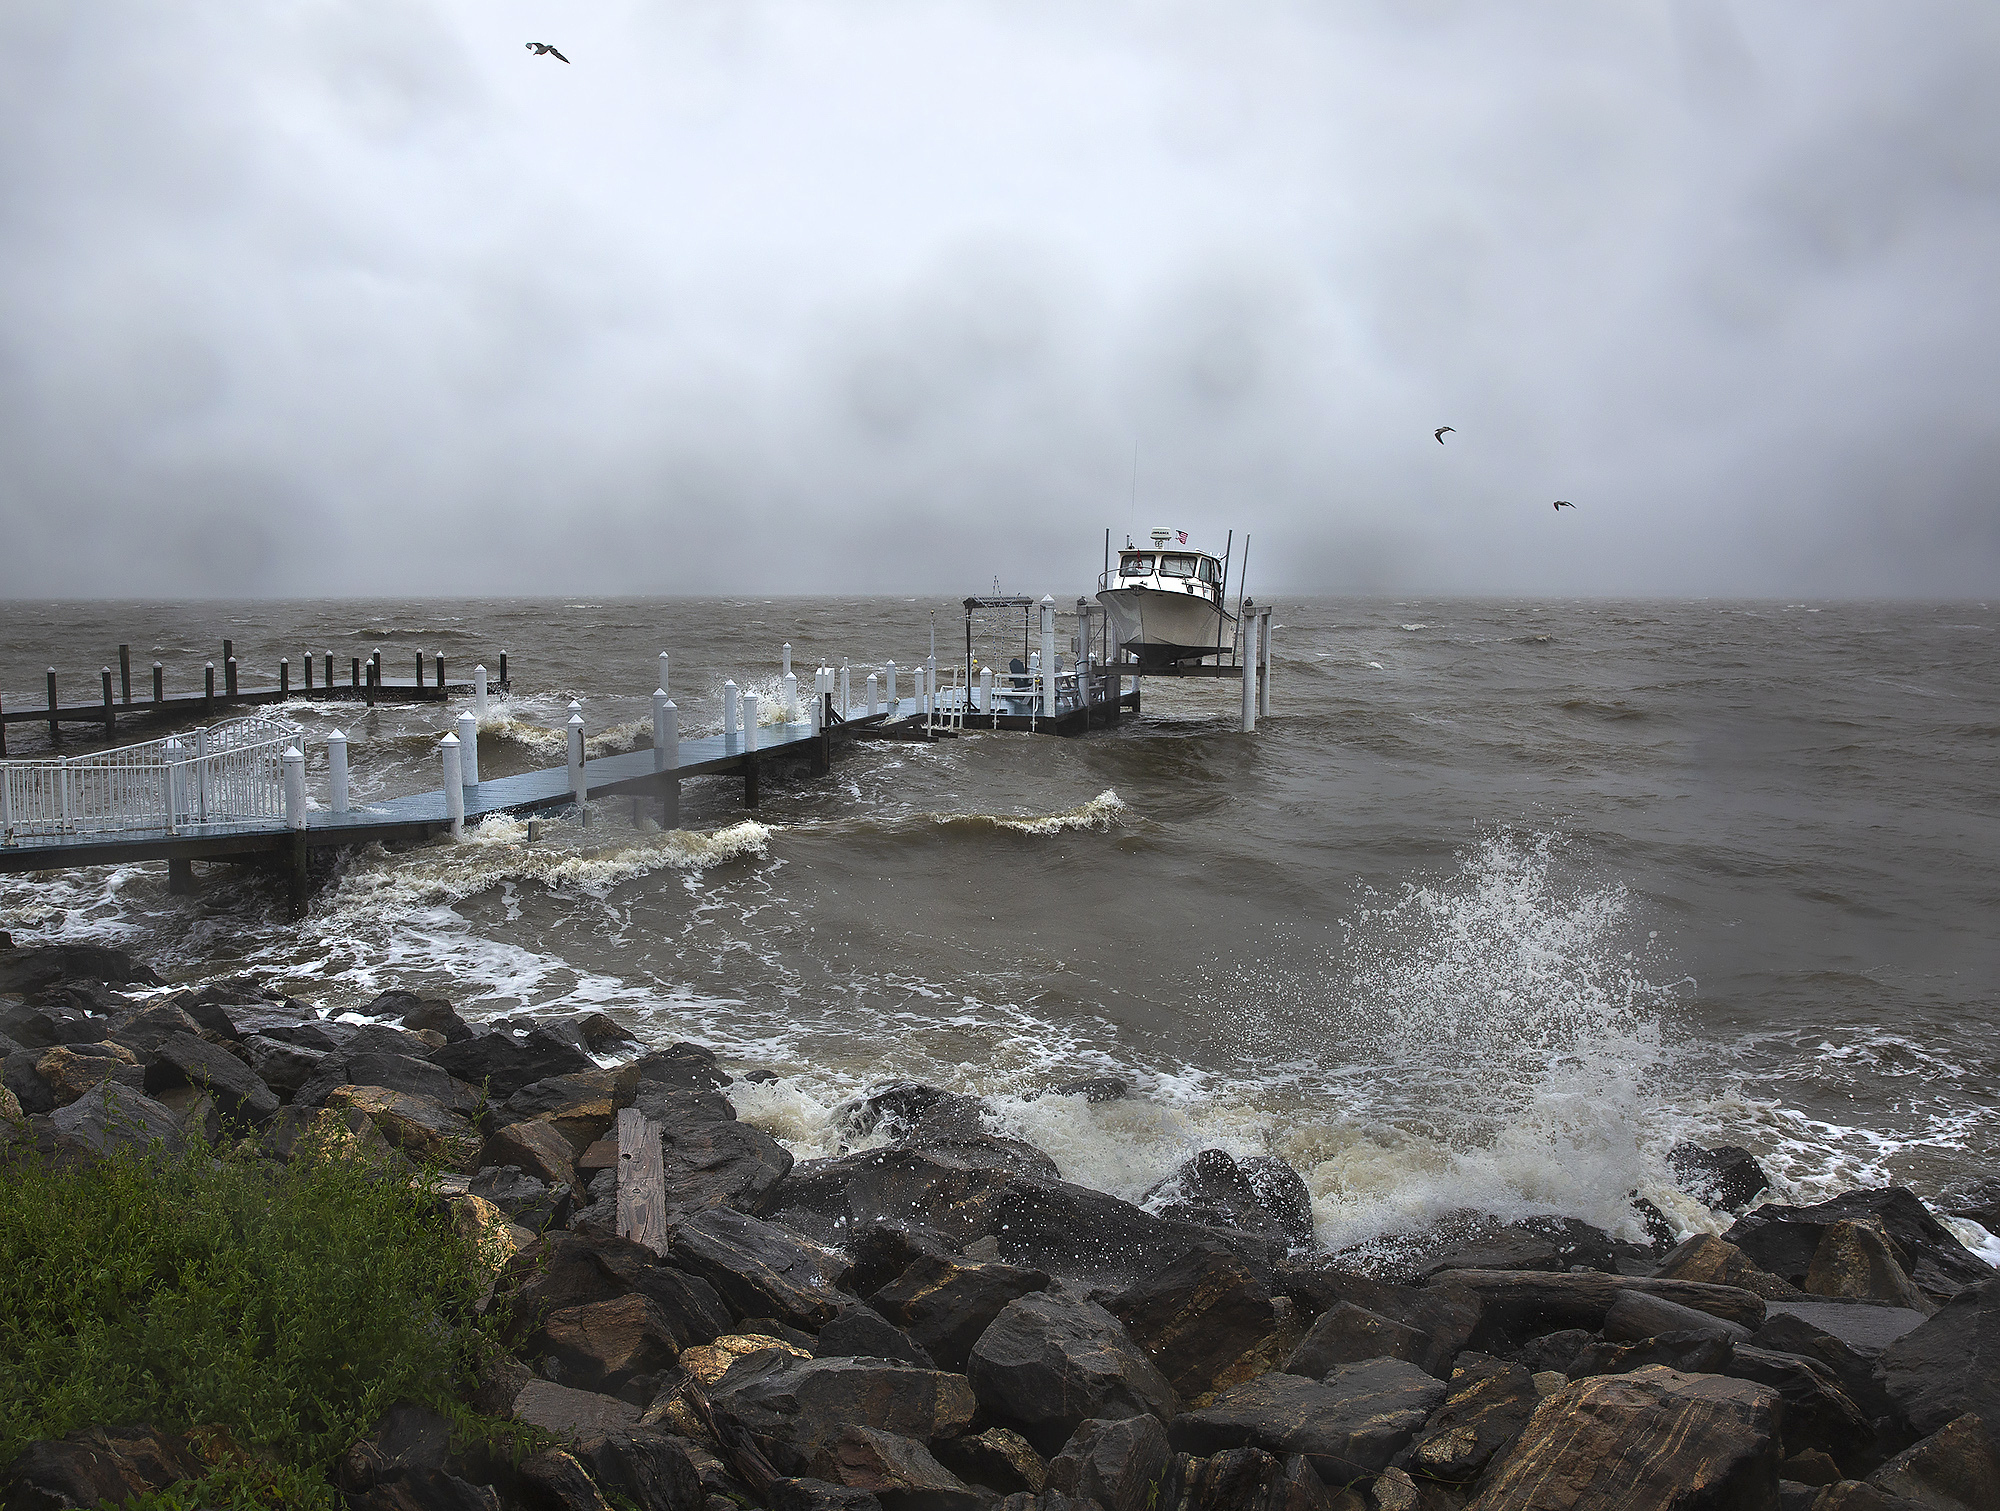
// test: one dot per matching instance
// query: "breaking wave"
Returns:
(1101, 812)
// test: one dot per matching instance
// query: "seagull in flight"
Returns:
(1442, 431)
(1563, 503)
(544, 49)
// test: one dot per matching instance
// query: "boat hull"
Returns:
(1161, 628)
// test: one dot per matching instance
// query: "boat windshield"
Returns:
(1210, 569)
(1136, 566)
(1177, 566)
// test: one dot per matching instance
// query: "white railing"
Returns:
(230, 773)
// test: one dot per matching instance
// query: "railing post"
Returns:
(336, 769)
(468, 749)
(454, 787)
(659, 729)
(579, 783)
(125, 673)
(479, 692)
(670, 744)
(295, 788)
(201, 775)
(791, 690)
(6, 805)
(54, 732)
(874, 695)
(729, 726)
(229, 676)
(3, 732)
(110, 718)
(62, 784)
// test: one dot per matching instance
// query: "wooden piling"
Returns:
(374, 670)
(329, 671)
(54, 732)
(357, 674)
(229, 676)
(298, 884)
(503, 671)
(228, 650)
(309, 671)
(284, 676)
(440, 667)
(3, 733)
(125, 673)
(110, 716)
(180, 878)
(159, 683)
(751, 767)
(208, 691)
(420, 671)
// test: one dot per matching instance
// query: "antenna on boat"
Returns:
(1222, 593)
(1135, 488)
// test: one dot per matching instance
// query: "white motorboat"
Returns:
(1165, 601)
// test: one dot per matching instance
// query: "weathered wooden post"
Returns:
(752, 711)
(667, 757)
(54, 732)
(356, 670)
(642, 1182)
(229, 676)
(125, 674)
(285, 676)
(420, 671)
(503, 671)
(1247, 626)
(375, 660)
(329, 671)
(159, 683)
(454, 786)
(208, 691)
(110, 718)
(295, 787)
(579, 783)
(1048, 656)
(468, 749)
(374, 681)
(728, 710)
(479, 693)
(440, 671)
(336, 769)
(874, 695)
(307, 662)
(889, 689)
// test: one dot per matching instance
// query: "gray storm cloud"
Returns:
(325, 298)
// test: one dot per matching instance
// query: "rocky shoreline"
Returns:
(939, 1322)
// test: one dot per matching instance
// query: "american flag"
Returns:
(1183, 535)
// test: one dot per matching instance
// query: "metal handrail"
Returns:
(226, 773)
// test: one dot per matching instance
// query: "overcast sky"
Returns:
(887, 295)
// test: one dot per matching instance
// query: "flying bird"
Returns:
(1563, 503)
(1442, 431)
(540, 49)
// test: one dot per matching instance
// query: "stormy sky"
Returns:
(890, 295)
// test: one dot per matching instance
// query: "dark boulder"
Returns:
(1486, 1405)
(1957, 1466)
(1051, 1360)
(1784, 1239)
(1727, 1178)
(652, 1471)
(554, 1480)
(1197, 1315)
(1950, 1366)
(1855, 1260)
(1352, 1424)
(1446, 1314)
(417, 1126)
(582, 1105)
(1257, 1195)
(286, 1067)
(1654, 1440)
(69, 1070)
(47, 1026)
(998, 1458)
(862, 1332)
(1123, 1465)
(406, 1436)
(1349, 1334)
(536, 1149)
(1853, 1368)
(1817, 1412)
(24, 1081)
(709, 1163)
(1557, 1351)
(618, 1347)
(880, 1251)
(680, 1067)
(414, 1012)
(108, 1118)
(325, 1036)
(791, 1410)
(417, 1077)
(945, 1305)
(898, 1471)
(952, 1193)
(1698, 1353)
(758, 1268)
(1078, 1233)
(805, 1494)
(29, 968)
(532, 1203)
(899, 1104)
(1249, 1479)
(503, 1064)
(424, 1490)
(183, 1060)
(1635, 1315)
(602, 1033)
(569, 1415)
(96, 1465)
(570, 1270)
(146, 1030)
(1521, 1304)
(1534, 1243)
(1706, 1258)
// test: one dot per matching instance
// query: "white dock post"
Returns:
(846, 702)
(788, 658)
(670, 798)
(336, 768)
(295, 787)
(1264, 665)
(791, 690)
(1048, 656)
(479, 692)
(889, 682)
(750, 702)
(874, 695)
(468, 749)
(986, 689)
(663, 671)
(660, 707)
(729, 709)
(579, 784)
(454, 786)
(1248, 626)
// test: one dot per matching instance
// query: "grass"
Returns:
(287, 1306)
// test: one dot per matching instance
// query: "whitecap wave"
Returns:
(1101, 812)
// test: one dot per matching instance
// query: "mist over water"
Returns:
(1502, 901)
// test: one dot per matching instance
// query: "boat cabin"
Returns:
(1168, 569)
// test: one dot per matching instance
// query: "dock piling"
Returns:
(479, 692)
(336, 769)
(208, 690)
(578, 783)
(788, 658)
(229, 676)
(329, 671)
(729, 725)
(295, 787)
(110, 717)
(125, 674)
(845, 685)
(874, 695)
(986, 689)
(1048, 607)
(752, 711)
(670, 744)
(159, 683)
(468, 749)
(1246, 623)
(180, 878)
(439, 659)
(663, 671)
(454, 786)
(307, 661)
(356, 671)
(889, 687)
(791, 690)
(374, 672)
(420, 671)
(659, 729)
(751, 714)
(503, 671)
(54, 732)
(285, 676)
(1264, 665)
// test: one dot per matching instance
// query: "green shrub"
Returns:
(287, 1305)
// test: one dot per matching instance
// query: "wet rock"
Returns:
(1784, 1239)
(1352, 1424)
(383, 1039)
(339, 1132)
(792, 1410)
(1811, 1468)
(30, 968)
(80, 1008)
(196, 1112)
(1487, 1404)
(1446, 1314)
(680, 1067)
(1348, 1334)
(146, 1030)
(1699, 1353)
(1122, 1465)
(1958, 1466)
(1093, 1089)
(503, 1064)
(880, 1251)
(414, 1013)
(47, 1026)
(553, 1480)
(1553, 1351)
(71, 1070)
(1197, 1315)
(572, 1269)
(572, 1414)
(96, 1465)
(757, 1268)
(1856, 1259)
(1249, 1479)
(617, 1347)
(897, 1104)
(807, 1494)
(998, 1458)
(1535, 1243)
(862, 1332)
(1707, 1259)
(532, 1203)
(415, 1125)
(1853, 1368)
(183, 1060)
(582, 1106)
(1522, 1304)
(1817, 1412)
(414, 1076)
(1076, 1233)
(720, 1164)
(1727, 1178)
(651, 1471)
(1945, 1369)
(282, 1066)
(709, 1362)
(406, 1436)
(108, 1118)
(898, 1471)
(1852, 1495)
(536, 1149)
(1051, 1360)
(1259, 1195)
(424, 1490)
(1654, 1440)
(601, 1032)
(953, 1194)
(25, 1085)
(945, 1306)
(1635, 1315)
